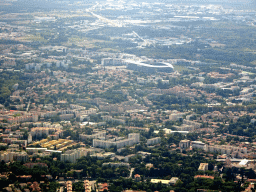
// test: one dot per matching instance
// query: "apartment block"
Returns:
(153, 141)
(228, 150)
(194, 124)
(23, 118)
(93, 136)
(39, 131)
(66, 116)
(175, 116)
(198, 145)
(73, 155)
(9, 156)
(133, 138)
(116, 165)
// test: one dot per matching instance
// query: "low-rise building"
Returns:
(87, 186)
(203, 167)
(116, 164)
(172, 181)
(184, 144)
(69, 186)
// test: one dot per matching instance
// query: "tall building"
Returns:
(73, 155)
(30, 138)
(21, 156)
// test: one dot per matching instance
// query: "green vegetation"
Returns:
(7, 80)
(170, 102)
(243, 127)
(17, 169)
(181, 68)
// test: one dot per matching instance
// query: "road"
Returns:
(132, 169)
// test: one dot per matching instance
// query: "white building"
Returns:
(228, 150)
(116, 164)
(133, 138)
(153, 141)
(31, 150)
(7, 156)
(93, 136)
(203, 167)
(198, 145)
(172, 181)
(196, 125)
(30, 138)
(73, 155)
(175, 116)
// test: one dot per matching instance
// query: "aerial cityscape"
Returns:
(127, 96)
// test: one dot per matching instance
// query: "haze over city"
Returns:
(127, 95)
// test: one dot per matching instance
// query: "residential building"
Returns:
(87, 186)
(133, 138)
(69, 186)
(228, 150)
(117, 165)
(203, 167)
(153, 141)
(93, 136)
(198, 145)
(73, 155)
(184, 144)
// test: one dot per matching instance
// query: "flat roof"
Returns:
(167, 182)
(163, 64)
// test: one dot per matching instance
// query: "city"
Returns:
(127, 96)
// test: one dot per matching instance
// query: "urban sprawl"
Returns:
(127, 96)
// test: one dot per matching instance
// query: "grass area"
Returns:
(229, 26)
(246, 72)
(181, 68)
(84, 42)
(253, 62)
(109, 50)
(36, 37)
(249, 50)
(217, 45)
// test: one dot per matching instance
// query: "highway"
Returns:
(115, 24)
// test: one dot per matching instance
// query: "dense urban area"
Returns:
(127, 96)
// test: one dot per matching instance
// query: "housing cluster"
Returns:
(127, 96)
